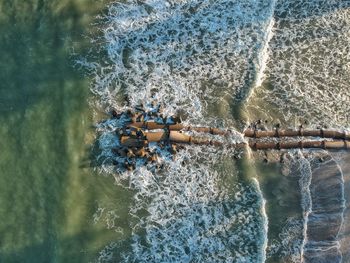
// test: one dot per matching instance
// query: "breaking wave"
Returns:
(198, 59)
(182, 54)
(307, 73)
(315, 237)
(185, 56)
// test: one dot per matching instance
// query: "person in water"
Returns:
(142, 153)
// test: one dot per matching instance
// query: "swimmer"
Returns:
(115, 114)
(130, 153)
(169, 121)
(173, 149)
(140, 108)
(141, 152)
(140, 134)
(176, 119)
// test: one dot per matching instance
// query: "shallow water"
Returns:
(221, 63)
(48, 192)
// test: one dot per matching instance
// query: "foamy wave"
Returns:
(264, 239)
(322, 200)
(185, 213)
(185, 55)
(307, 73)
(306, 201)
(288, 245)
(192, 219)
(181, 54)
(265, 52)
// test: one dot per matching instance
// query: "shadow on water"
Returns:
(40, 252)
(35, 50)
(93, 157)
(43, 114)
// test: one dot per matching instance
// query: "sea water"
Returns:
(217, 63)
(48, 194)
(227, 63)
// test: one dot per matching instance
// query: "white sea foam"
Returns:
(264, 52)
(182, 54)
(187, 55)
(289, 241)
(307, 73)
(315, 214)
(306, 77)
(264, 240)
(328, 212)
(306, 202)
(185, 213)
(190, 217)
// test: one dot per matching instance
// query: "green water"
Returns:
(48, 192)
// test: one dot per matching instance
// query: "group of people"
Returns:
(142, 115)
(133, 154)
(142, 154)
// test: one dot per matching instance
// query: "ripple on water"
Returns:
(188, 55)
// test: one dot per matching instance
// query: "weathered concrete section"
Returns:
(325, 220)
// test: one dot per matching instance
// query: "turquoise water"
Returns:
(221, 63)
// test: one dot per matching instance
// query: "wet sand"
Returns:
(325, 218)
(344, 237)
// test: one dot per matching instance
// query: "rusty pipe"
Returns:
(178, 137)
(251, 133)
